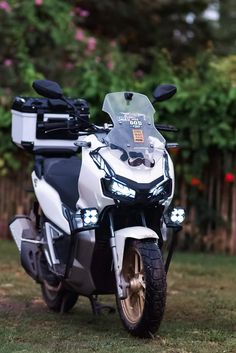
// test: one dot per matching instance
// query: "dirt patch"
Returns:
(8, 305)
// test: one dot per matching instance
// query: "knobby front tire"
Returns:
(142, 311)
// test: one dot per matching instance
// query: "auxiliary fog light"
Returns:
(177, 215)
(89, 216)
(174, 216)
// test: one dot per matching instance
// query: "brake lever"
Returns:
(172, 145)
(82, 144)
(167, 128)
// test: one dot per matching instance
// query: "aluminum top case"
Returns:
(28, 133)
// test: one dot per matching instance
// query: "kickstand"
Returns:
(97, 307)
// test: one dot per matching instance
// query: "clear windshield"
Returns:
(134, 134)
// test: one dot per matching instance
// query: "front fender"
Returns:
(132, 233)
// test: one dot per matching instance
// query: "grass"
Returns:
(200, 313)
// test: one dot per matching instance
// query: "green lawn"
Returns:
(200, 313)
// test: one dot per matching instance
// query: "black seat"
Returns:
(63, 175)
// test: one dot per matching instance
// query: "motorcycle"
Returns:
(102, 205)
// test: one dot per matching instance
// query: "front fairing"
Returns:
(135, 149)
(141, 180)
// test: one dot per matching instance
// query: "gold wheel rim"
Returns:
(133, 272)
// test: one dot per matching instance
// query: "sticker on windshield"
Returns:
(131, 117)
(138, 136)
(135, 123)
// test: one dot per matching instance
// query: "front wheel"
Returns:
(143, 269)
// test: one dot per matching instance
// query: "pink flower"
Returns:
(91, 44)
(79, 35)
(68, 65)
(5, 6)
(113, 43)
(98, 59)
(7, 62)
(139, 73)
(38, 2)
(110, 65)
(84, 13)
(81, 12)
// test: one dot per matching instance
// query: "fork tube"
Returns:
(114, 256)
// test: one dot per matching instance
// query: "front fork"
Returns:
(121, 286)
(117, 243)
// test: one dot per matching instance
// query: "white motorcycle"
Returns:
(102, 202)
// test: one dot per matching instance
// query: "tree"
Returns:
(139, 25)
(225, 29)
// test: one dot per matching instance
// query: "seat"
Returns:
(63, 175)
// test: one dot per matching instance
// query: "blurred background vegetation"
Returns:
(94, 47)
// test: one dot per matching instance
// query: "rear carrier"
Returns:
(29, 116)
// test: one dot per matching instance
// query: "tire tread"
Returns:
(156, 287)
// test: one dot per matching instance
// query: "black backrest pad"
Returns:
(63, 175)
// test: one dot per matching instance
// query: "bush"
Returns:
(41, 40)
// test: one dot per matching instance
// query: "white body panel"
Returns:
(90, 189)
(17, 227)
(89, 183)
(24, 130)
(134, 233)
(50, 202)
(139, 174)
(172, 176)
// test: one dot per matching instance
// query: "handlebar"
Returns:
(73, 124)
(167, 128)
(49, 125)
(68, 124)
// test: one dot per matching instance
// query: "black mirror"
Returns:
(164, 92)
(48, 89)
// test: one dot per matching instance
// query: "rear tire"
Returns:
(142, 311)
(58, 298)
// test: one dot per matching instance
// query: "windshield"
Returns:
(134, 134)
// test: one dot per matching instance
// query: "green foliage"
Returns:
(203, 110)
(46, 39)
(155, 42)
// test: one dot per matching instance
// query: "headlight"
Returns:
(161, 192)
(113, 187)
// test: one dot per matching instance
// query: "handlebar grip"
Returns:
(52, 125)
(169, 128)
